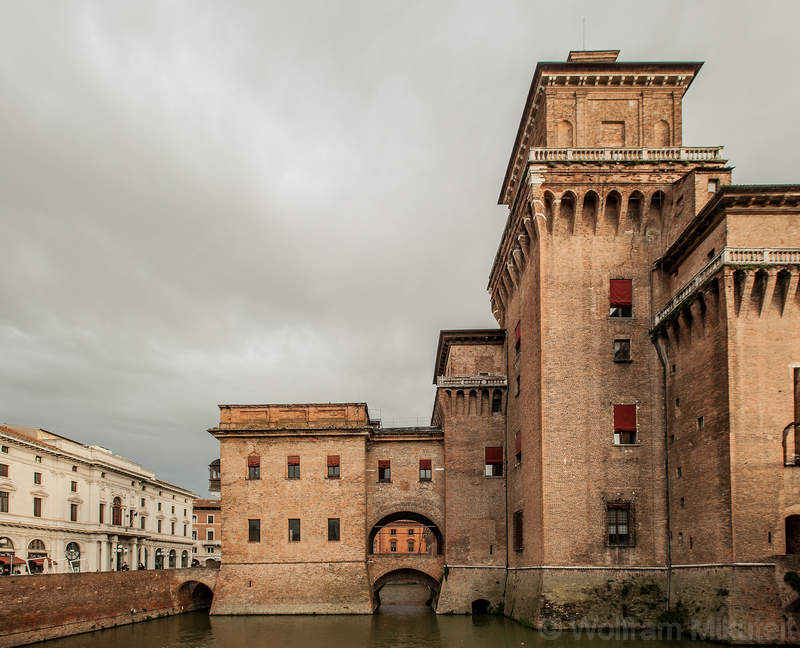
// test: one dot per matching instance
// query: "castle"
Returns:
(625, 443)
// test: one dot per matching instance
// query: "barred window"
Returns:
(618, 524)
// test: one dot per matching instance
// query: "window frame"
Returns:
(5, 499)
(619, 310)
(292, 533)
(333, 467)
(37, 507)
(254, 530)
(334, 524)
(629, 538)
(426, 470)
(491, 469)
(73, 512)
(293, 467)
(621, 341)
(385, 472)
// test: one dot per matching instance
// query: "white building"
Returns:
(66, 506)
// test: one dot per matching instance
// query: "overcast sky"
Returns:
(211, 202)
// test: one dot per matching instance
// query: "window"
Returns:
(37, 507)
(254, 530)
(622, 350)
(392, 531)
(101, 514)
(37, 459)
(159, 506)
(173, 510)
(411, 532)
(517, 342)
(518, 544)
(713, 185)
(142, 522)
(172, 528)
(711, 254)
(184, 512)
(210, 518)
(158, 526)
(253, 467)
(194, 535)
(294, 530)
(73, 512)
(518, 447)
(131, 513)
(384, 470)
(621, 298)
(493, 461)
(333, 529)
(425, 470)
(410, 546)
(293, 467)
(210, 550)
(194, 519)
(37, 478)
(209, 534)
(141, 503)
(194, 550)
(3, 501)
(624, 424)
(618, 523)
(4, 449)
(393, 546)
(700, 423)
(333, 466)
(75, 469)
(73, 486)
(3, 470)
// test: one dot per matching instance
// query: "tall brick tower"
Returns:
(592, 186)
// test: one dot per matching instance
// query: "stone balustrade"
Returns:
(662, 154)
(471, 381)
(731, 257)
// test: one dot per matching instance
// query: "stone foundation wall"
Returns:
(463, 585)
(293, 588)
(46, 606)
(591, 598)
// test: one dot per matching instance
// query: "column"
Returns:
(114, 541)
(103, 566)
(134, 561)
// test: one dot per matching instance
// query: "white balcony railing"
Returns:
(471, 381)
(662, 154)
(731, 257)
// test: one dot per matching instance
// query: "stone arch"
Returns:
(661, 134)
(497, 401)
(589, 211)
(194, 595)
(759, 290)
(412, 516)
(459, 402)
(635, 211)
(480, 606)
(566, 214)
(611, 211)
(473, 402)
(739, 280)
(406, 576)
(549, 216)
(564, 134)
(485, 402)
(781, 292)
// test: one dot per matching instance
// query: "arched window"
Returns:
(6, 556)
(37, 555)
(185, 559)
(172, 559)
(497, 401)
(6, 544)
(116, 511)
(159, 559)
(661, 133)
(73, 555)
(564, 134)
(36, 546)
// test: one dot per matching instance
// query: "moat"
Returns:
(398, 623)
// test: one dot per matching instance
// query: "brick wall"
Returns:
(57, 605)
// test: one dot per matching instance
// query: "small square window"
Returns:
(622, 350)
(294, 530)
(333, 529)
(210, 519)
(4, 449)
(75, 469)
(713, 185)
(37, 459)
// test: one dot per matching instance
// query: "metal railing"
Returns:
(731, 257)
(661, 154)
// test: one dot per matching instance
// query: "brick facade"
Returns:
(625, 441)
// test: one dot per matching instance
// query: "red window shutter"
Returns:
(253, 460)
(384, 463)
(517, 442)
(625, 418)
(494, 455)
(621, 292)
(516, 334)
(425, 464)
(294, 461)
(333, 460)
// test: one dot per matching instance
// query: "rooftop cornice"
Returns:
(244, 431)
(489, 337)
(674, 74)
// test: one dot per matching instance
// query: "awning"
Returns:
(621, 292)
(294, 460)
(625, 418)
(425, 464)
(494, 455)
(253, 460)
(384, 463)
(333, 460)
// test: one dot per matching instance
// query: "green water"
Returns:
(394, 625)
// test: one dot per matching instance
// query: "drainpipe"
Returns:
(663, 360)
(505, 478)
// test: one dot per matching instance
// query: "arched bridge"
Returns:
(422, 569)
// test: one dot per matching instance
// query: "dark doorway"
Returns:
(481, 606)
(793, 534)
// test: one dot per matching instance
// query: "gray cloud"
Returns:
(205, 203)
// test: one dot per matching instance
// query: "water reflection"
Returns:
(399, 625)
